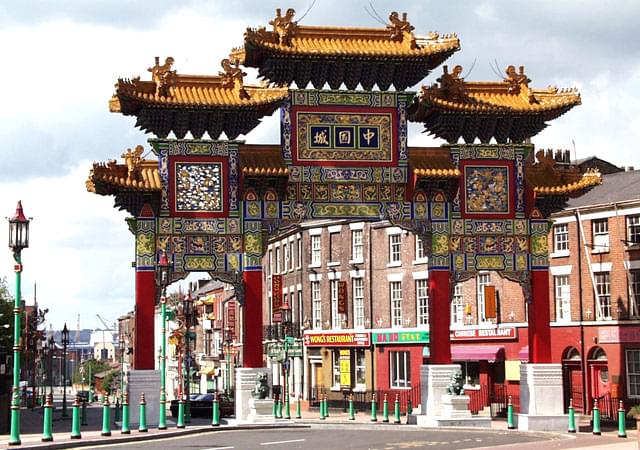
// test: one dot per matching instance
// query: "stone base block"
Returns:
(261, 411)
(245, 384)
(147, 381)
(528, 422)
(455, 406)
(438, 422)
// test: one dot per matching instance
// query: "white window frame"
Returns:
(395, 249)
(270, 268)
(421, 251)
(561, 238)
(360, 359)
(336, 319)
(603, 295)
(457, 305)
(562, 296)
(634, 292)
(316, 309)
(422, 302)
(395, 297)
(357, 246)
(335, 369)
(285, 257)
(633, 230)
(483, 279)
(316, 250)
(633, 372)
(600, 235)
(277, 260)
(358, 302)
(400, 369)
(299, 261)
(292, 260)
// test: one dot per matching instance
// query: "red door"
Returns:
(599, 383)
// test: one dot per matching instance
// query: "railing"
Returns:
(608, 406)
(278, 331)
(477, 398)
(362, 399)
(496, 398)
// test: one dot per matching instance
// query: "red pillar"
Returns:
(539, 318)
(439, 317)
(252, 317)
(145, 305)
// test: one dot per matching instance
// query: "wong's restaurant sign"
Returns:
(337, 340)
(401, 337)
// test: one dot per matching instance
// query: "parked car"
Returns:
(83, 396)
(202, 405)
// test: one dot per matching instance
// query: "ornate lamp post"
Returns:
(18, 240)
(228, 339)
(286, 323)
(163, 275)
(52, 347)
(188, 316)
(65, 342)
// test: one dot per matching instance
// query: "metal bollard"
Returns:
(75, 419)
(510, 424)
(47, 436)
(287, 406)
(374, 409)
(275, 406)
(322, 417)
(326, 406)
(396, 410)
(124, 429)
(596, 418)
(279, 407)
(622, 432)
(83, 415)
(299, 406)
(215, 420)
(180, 423)
(409, 406)
(351, 410)
(385, 409)
(142, 427)
(572, 418)
(106, 417)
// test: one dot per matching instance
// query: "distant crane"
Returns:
(104, 353)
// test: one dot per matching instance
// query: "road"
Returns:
(332, 438)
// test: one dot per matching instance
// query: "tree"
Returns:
(6, 317)
(96, 366)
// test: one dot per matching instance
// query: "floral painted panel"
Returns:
(486, 189)
(199, 187)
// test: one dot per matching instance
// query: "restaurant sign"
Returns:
(337, 340)
(401, 337)
(486, 333)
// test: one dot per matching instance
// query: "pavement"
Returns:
(32, 420)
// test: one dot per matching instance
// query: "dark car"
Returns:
(83, 396)
(202, 405)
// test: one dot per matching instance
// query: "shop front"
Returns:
(338, 363)
(398, 358)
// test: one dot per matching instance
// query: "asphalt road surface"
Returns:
(327, 438)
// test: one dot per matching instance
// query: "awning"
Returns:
(477, 353)
(207, 370)
(523, 354)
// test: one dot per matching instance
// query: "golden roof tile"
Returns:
(396, 40)
(262, 160)
(546, 177)
(432, 162)
(511, 95)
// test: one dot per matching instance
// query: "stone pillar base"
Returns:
(434, 379)
(541, 406)
(455, 406)
(261, 411)
(245, 383)
(147, 381)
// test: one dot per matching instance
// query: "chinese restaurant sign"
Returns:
(337, 340)
(491, 333)
(401, 337)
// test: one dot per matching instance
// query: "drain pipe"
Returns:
(583, 357)
(373, 353)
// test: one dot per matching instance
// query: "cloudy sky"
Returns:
(61, 59)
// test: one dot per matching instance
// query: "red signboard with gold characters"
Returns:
(276, 292)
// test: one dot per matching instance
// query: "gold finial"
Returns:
(283, 26)
(163, 76)
(232, 76)
(452, 83)
(132, 159)
(516, 79)
(401, 29)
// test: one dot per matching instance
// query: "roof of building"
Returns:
(432, 162)
(292, 52)
(215, 104)
(505, 110)
(615, 187)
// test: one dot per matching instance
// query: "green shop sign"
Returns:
(401, 337)
(275, 350)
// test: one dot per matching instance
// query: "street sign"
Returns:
(275, 350)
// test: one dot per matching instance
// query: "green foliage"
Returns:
(6, 317)
(634, 412)
(96, 367)
(111, 381)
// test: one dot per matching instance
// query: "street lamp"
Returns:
(52, 347)
(188, 316)
(286, 323)
(65, 342)
(228, 339)
(162, 280)
(18, 240)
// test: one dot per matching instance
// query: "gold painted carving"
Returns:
(163, 76)
(232, 77)
(283, 26)
(401, 30)
(516, 79)
(132, 159)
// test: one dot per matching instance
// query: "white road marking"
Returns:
(218, 448)
(281, 442)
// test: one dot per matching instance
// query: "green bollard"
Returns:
(510, 423)
(374, 408)
(275, 406)
(180, 423)
(596, 418)
(215, 422)
(47, 436)
(75, 419)
(322, 408)
(90, 395)
(326, 406)
(142, 427)
(385, 409)
(106, 417)
(83, 415)
(279, 408)
(409, 406)
(124, 429)
(572, 418)
(299, 407)
(622, 432)
(287, 406)
(396, 410)
(351, 410)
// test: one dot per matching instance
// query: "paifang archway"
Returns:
(212, 203)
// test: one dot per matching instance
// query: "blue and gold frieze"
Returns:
(182, 225)
(312, 97)
(183, 147)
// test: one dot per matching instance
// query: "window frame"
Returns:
(562, 301)
(357, 245)
(316, 250)
(633, 230)
(480, 296)
(336, 319)
(603, 291)
(395, 302)
(360, 368)
(400, 360)
(316, 305)
(420, 250)
(358, 302)
(395, 249)
(634, 292)
(422, 302)
(457, 305)
(561, 238)
(600, 236)
(630, 373)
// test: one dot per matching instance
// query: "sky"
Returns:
(63, 57)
